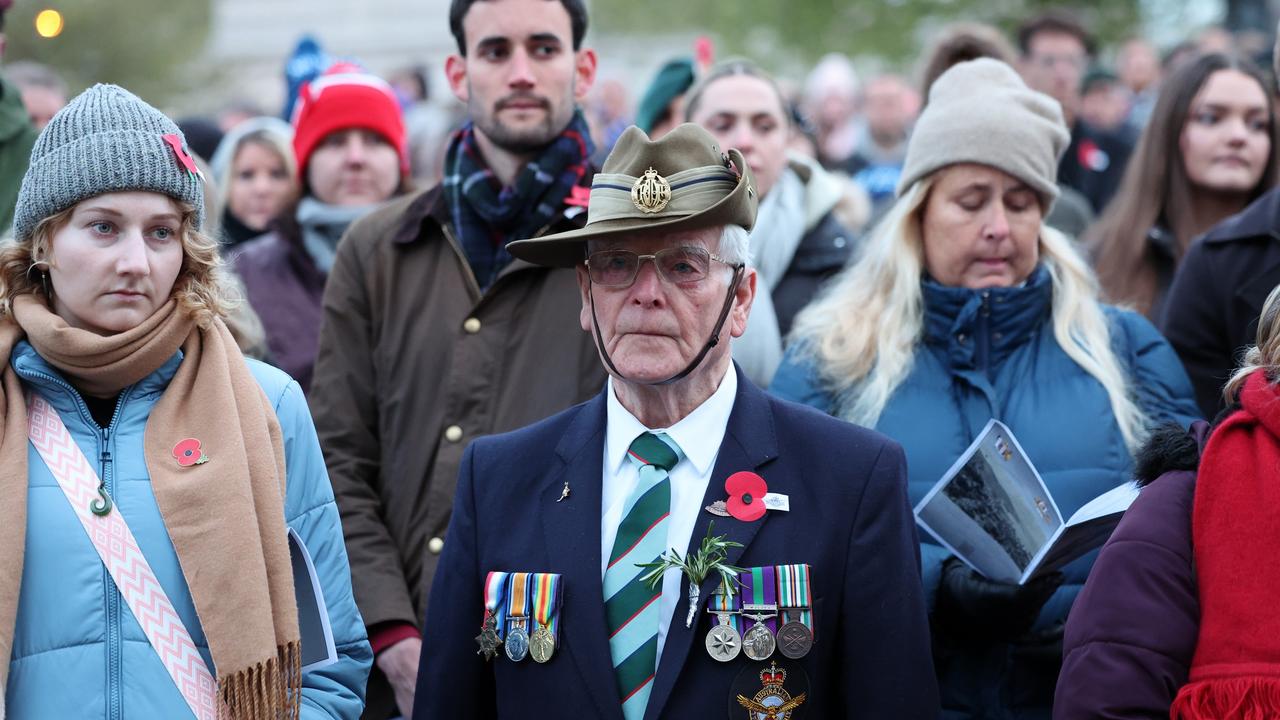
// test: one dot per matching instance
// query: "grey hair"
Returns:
(735, 245)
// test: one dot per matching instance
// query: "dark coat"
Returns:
(849, 519)
(1211, 312)
(1094, 163)
(284, 286)
(822, 252)
(1132, 633)
(17, 137)
(416, 361)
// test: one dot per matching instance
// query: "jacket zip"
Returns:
(111, 595)
(982, 336)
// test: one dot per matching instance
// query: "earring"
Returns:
(44, 281)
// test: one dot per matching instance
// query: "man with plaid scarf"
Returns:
(433, 334)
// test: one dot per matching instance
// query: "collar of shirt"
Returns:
(698, 434)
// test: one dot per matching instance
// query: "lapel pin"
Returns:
(718, 509)
(746, 496)
(188, 453)
(564, 494)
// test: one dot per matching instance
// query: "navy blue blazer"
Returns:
(849, 519)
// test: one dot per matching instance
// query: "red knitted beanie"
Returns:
(341, 99)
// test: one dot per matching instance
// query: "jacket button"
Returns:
(471, 325)
(435, 545)
(960, 337)
(453, 433)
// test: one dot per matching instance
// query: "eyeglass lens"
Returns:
(618, 268)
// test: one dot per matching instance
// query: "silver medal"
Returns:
(758, 644)
(517, 645)
(723, 643)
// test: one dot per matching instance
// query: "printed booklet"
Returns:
(994, 512)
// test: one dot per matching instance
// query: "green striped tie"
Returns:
(631, 607)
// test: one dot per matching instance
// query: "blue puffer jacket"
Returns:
(992, 354)
(78, 652)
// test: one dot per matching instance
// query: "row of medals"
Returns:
(794, 639)
(519, 644)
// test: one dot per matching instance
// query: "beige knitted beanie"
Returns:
(981, 112)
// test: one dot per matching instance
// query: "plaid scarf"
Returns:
(486, 216)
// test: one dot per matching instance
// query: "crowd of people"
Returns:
(263, 368)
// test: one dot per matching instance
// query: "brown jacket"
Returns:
(414, 363)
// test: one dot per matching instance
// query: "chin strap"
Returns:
(711, 342)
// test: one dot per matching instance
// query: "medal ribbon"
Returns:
(518, 597)
(795, 595)
(725, 602)
(760, 584)
(546, 602)
(495, 584)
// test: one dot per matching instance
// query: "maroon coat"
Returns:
(285, 288)
(1132, 632)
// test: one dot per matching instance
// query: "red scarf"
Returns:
(1235, 529)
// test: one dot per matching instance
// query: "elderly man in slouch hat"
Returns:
(682, 545)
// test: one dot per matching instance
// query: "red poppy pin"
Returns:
(184, 158)
(578, 196)
(746, 496)
(188, 453)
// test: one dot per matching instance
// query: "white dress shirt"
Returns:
(699, 435)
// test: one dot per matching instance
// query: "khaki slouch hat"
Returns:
(679, 182)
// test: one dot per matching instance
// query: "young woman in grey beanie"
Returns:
(153, 476)
(965, 307)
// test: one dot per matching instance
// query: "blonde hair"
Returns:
(863, 330)
(1264, 354)
(201, 289)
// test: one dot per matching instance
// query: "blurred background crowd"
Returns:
(1170, 113)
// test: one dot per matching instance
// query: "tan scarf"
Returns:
(225, 517)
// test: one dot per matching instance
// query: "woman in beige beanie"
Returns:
(152, 476)
(965, 307)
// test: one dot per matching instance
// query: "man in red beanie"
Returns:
(434, 335)
(352, 156)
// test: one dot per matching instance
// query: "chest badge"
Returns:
(772, 702)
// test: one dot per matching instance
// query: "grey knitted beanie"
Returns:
(105, 140)
(981, 112)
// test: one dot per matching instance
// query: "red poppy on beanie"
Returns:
(341, 99)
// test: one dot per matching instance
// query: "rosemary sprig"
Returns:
(710, 557)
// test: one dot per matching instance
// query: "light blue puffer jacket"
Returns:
(78, 652)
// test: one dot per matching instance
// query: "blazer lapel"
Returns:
(572, 530)
(749, 442)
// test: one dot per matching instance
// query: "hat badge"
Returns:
(651, 192)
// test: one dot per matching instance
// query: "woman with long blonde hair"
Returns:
(153, 476)
(965, 307)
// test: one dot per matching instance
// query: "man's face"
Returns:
(654, 328)
(42, 104)
(1055, 64)
(888, 104)
(521, 78)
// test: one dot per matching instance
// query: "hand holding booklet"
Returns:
(994, 512)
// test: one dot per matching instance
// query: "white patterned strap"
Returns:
(123, 558)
